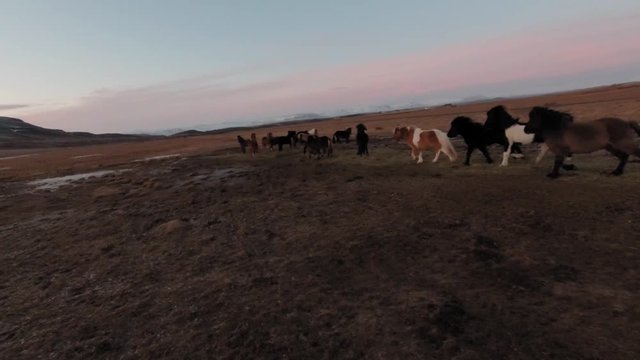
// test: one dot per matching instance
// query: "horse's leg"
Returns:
(622, 156)
(506, 153)
(470, 149)
(569, 159)
(543, 150)
(413, 153)
(556, 167)
(485, 152)
(435, 159)
(620, 168)
(420, 157)
(516, 151)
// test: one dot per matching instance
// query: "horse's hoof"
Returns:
(615, 173)
(467, 164)
(553, 175)
(569, 167)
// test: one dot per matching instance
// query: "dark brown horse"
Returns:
(563, 137)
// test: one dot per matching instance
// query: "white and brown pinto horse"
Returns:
(420, 140)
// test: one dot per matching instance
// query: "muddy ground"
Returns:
(284, 257)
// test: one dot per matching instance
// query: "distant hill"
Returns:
(15, 133)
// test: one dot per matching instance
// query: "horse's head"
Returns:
(458, 125)
(361, 128)
(349, 131)
(240, 139)
(400, 133)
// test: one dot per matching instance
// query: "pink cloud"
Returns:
(559, 51)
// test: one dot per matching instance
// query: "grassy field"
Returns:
(213, 255)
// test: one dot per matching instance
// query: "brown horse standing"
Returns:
(252, 145)
(563, 138)
(420, 140)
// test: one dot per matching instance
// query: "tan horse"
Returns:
(420, 140)
(563, 138)
(253, 145)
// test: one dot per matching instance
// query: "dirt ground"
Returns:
(212, 255)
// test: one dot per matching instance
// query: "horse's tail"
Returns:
(333, 139)
(446, 146)
(635, 126)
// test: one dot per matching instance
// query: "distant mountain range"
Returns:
(15, 133)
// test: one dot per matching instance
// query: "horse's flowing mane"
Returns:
(547, 113)
(462, 119)
(498, 117)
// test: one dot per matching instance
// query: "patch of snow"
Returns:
(17, 157)
(56, 182)
(159, 157)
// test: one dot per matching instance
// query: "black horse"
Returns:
(362, 139)
(342, 135)
(280, 140)
(294, 139)
(479, 136)
(318, 145)
(243, 144)
(474, 135)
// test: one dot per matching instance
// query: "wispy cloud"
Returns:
(569, 50)
(14, 106)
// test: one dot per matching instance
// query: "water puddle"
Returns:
(56, 182)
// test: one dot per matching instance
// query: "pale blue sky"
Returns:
(59, 58)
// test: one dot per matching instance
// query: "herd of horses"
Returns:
(554, 130)
(311, 142)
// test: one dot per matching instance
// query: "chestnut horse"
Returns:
(564, 137)
(420, 140)
(252, 145)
